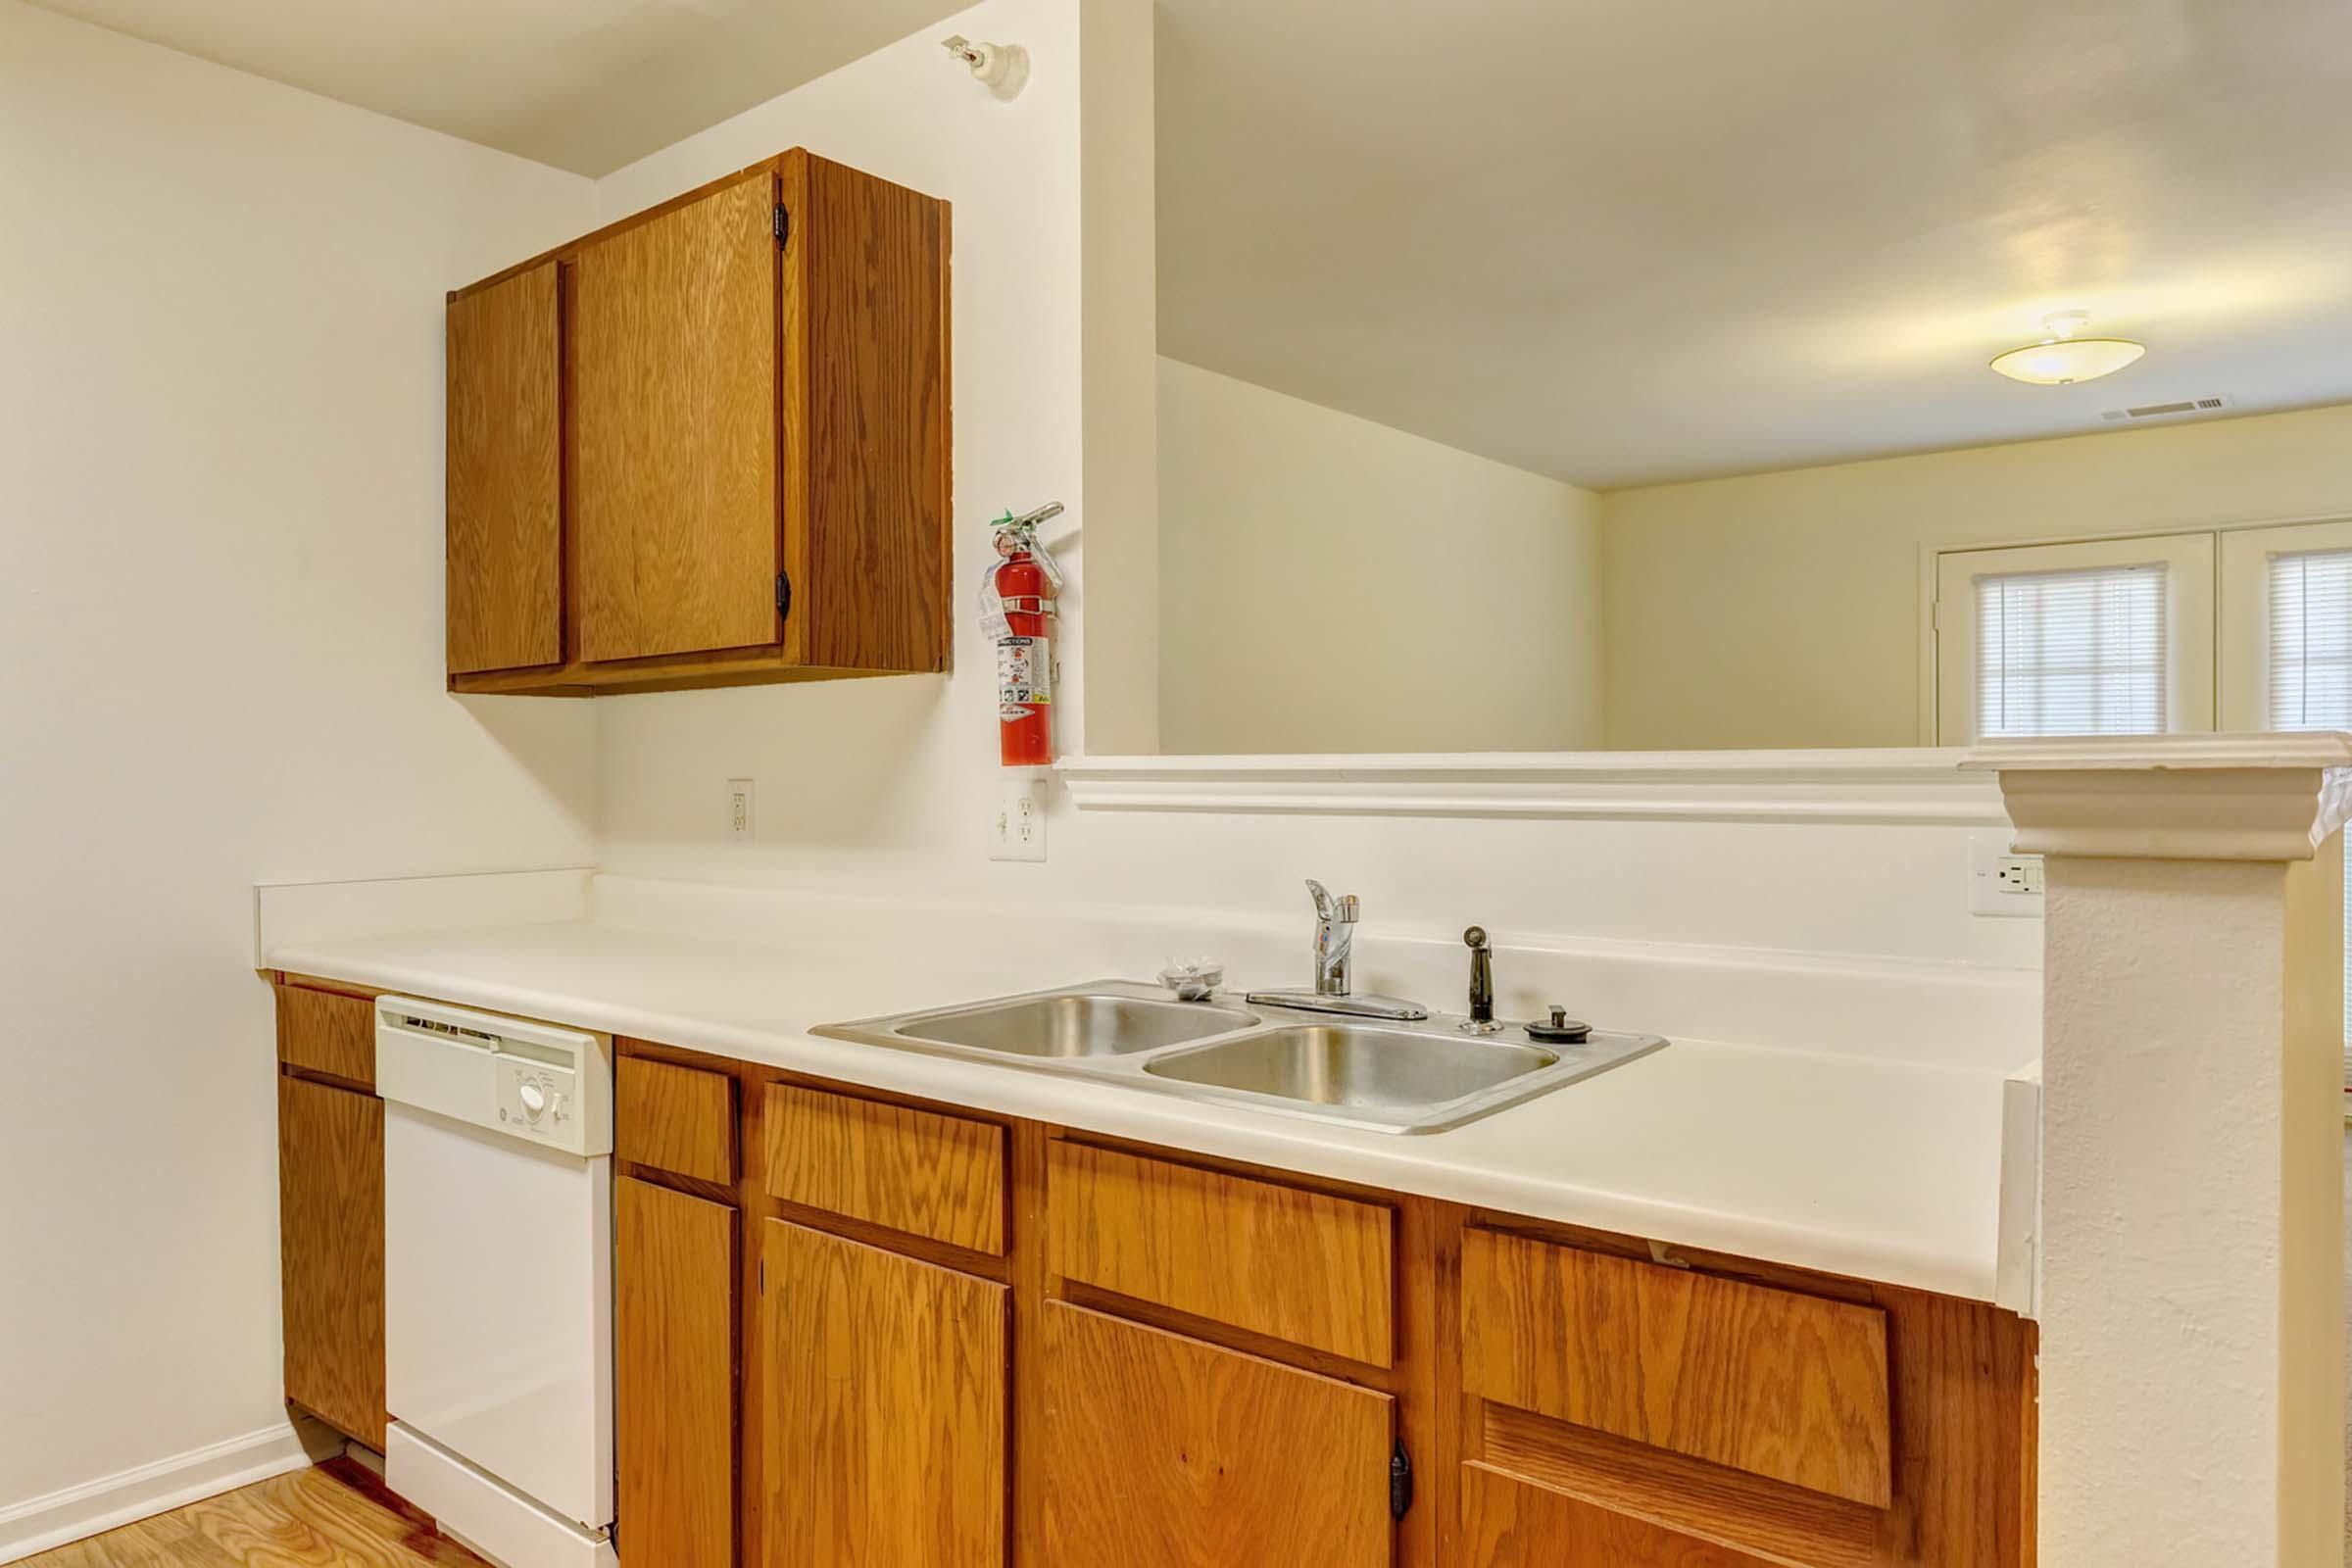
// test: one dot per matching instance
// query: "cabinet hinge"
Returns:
(783, 596)
(763, 1276)
(782, 223)
(1400, 1482)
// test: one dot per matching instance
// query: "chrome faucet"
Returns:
(1335, 976)
(1335, 940)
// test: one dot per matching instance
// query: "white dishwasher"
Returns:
(498, 1280)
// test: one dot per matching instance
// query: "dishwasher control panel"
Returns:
(534, 1096)
(532, 1081)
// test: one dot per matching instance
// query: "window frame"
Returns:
(2192, 568)
(2244, 634)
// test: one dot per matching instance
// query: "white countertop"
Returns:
(1881, 1170)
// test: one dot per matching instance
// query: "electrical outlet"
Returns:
(739, 811)
(2018, 873)
(1018, 832)
(2000, 881)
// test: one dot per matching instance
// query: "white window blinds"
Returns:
(2311, 641)
(2309, 678)
(2071, 652)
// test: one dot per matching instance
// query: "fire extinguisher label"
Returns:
(1024, 675)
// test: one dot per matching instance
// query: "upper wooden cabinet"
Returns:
(707, 444)
(506, 535)
(673, 385)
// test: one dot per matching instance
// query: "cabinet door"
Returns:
(674, 498)
(883, 1408)
(1165, 1452)
(673, 1326)
(506, 544)
(330, 1174)
(1509, 1523)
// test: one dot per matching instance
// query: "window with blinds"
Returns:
(2310, 674)
(2071, 652)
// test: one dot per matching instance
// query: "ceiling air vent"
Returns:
(2169, 411)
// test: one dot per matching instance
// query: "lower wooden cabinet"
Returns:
(915, 1335)
(330, 1212)
(675, 1375)
(884, 1391)
(1163, 1451)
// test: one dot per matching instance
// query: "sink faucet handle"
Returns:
(1341, 910)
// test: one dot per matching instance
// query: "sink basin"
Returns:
(1088, 1024)
(1373, 1075)
(1352, 1065)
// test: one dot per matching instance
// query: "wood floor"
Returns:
(334, 1516)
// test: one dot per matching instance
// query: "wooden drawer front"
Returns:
(319, 1031)
(677, 1120)
(1776, 1384)
(910, 1171)
(1301, 1266)
(1507, 1523)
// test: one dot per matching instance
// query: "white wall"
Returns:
(887, 787)
(221, 392)
(1329, 584)
(1783, 609)
(1118, 172)
(883, 771)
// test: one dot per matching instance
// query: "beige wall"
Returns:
(1328, 584)
(1783, 609)
(221, 385)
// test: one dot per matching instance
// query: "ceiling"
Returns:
(587, 85)
(1623, 243)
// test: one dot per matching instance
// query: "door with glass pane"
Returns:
(2252, 626)
(2286, 645)
(2114, 637)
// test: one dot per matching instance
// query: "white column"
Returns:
(2191, 1299)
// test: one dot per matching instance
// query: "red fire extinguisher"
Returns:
(1016, 607)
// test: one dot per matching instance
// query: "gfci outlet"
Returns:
(1018, 832)
(2000, 881)
(739, 811)
(2018, 873)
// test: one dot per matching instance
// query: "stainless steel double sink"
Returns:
(1387, 1077)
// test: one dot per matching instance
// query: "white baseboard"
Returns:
(78, 1512)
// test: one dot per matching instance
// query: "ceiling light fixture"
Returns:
(2062, 358)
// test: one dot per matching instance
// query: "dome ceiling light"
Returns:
(2062, 358)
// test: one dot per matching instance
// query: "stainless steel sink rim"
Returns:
(1134, 1067)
